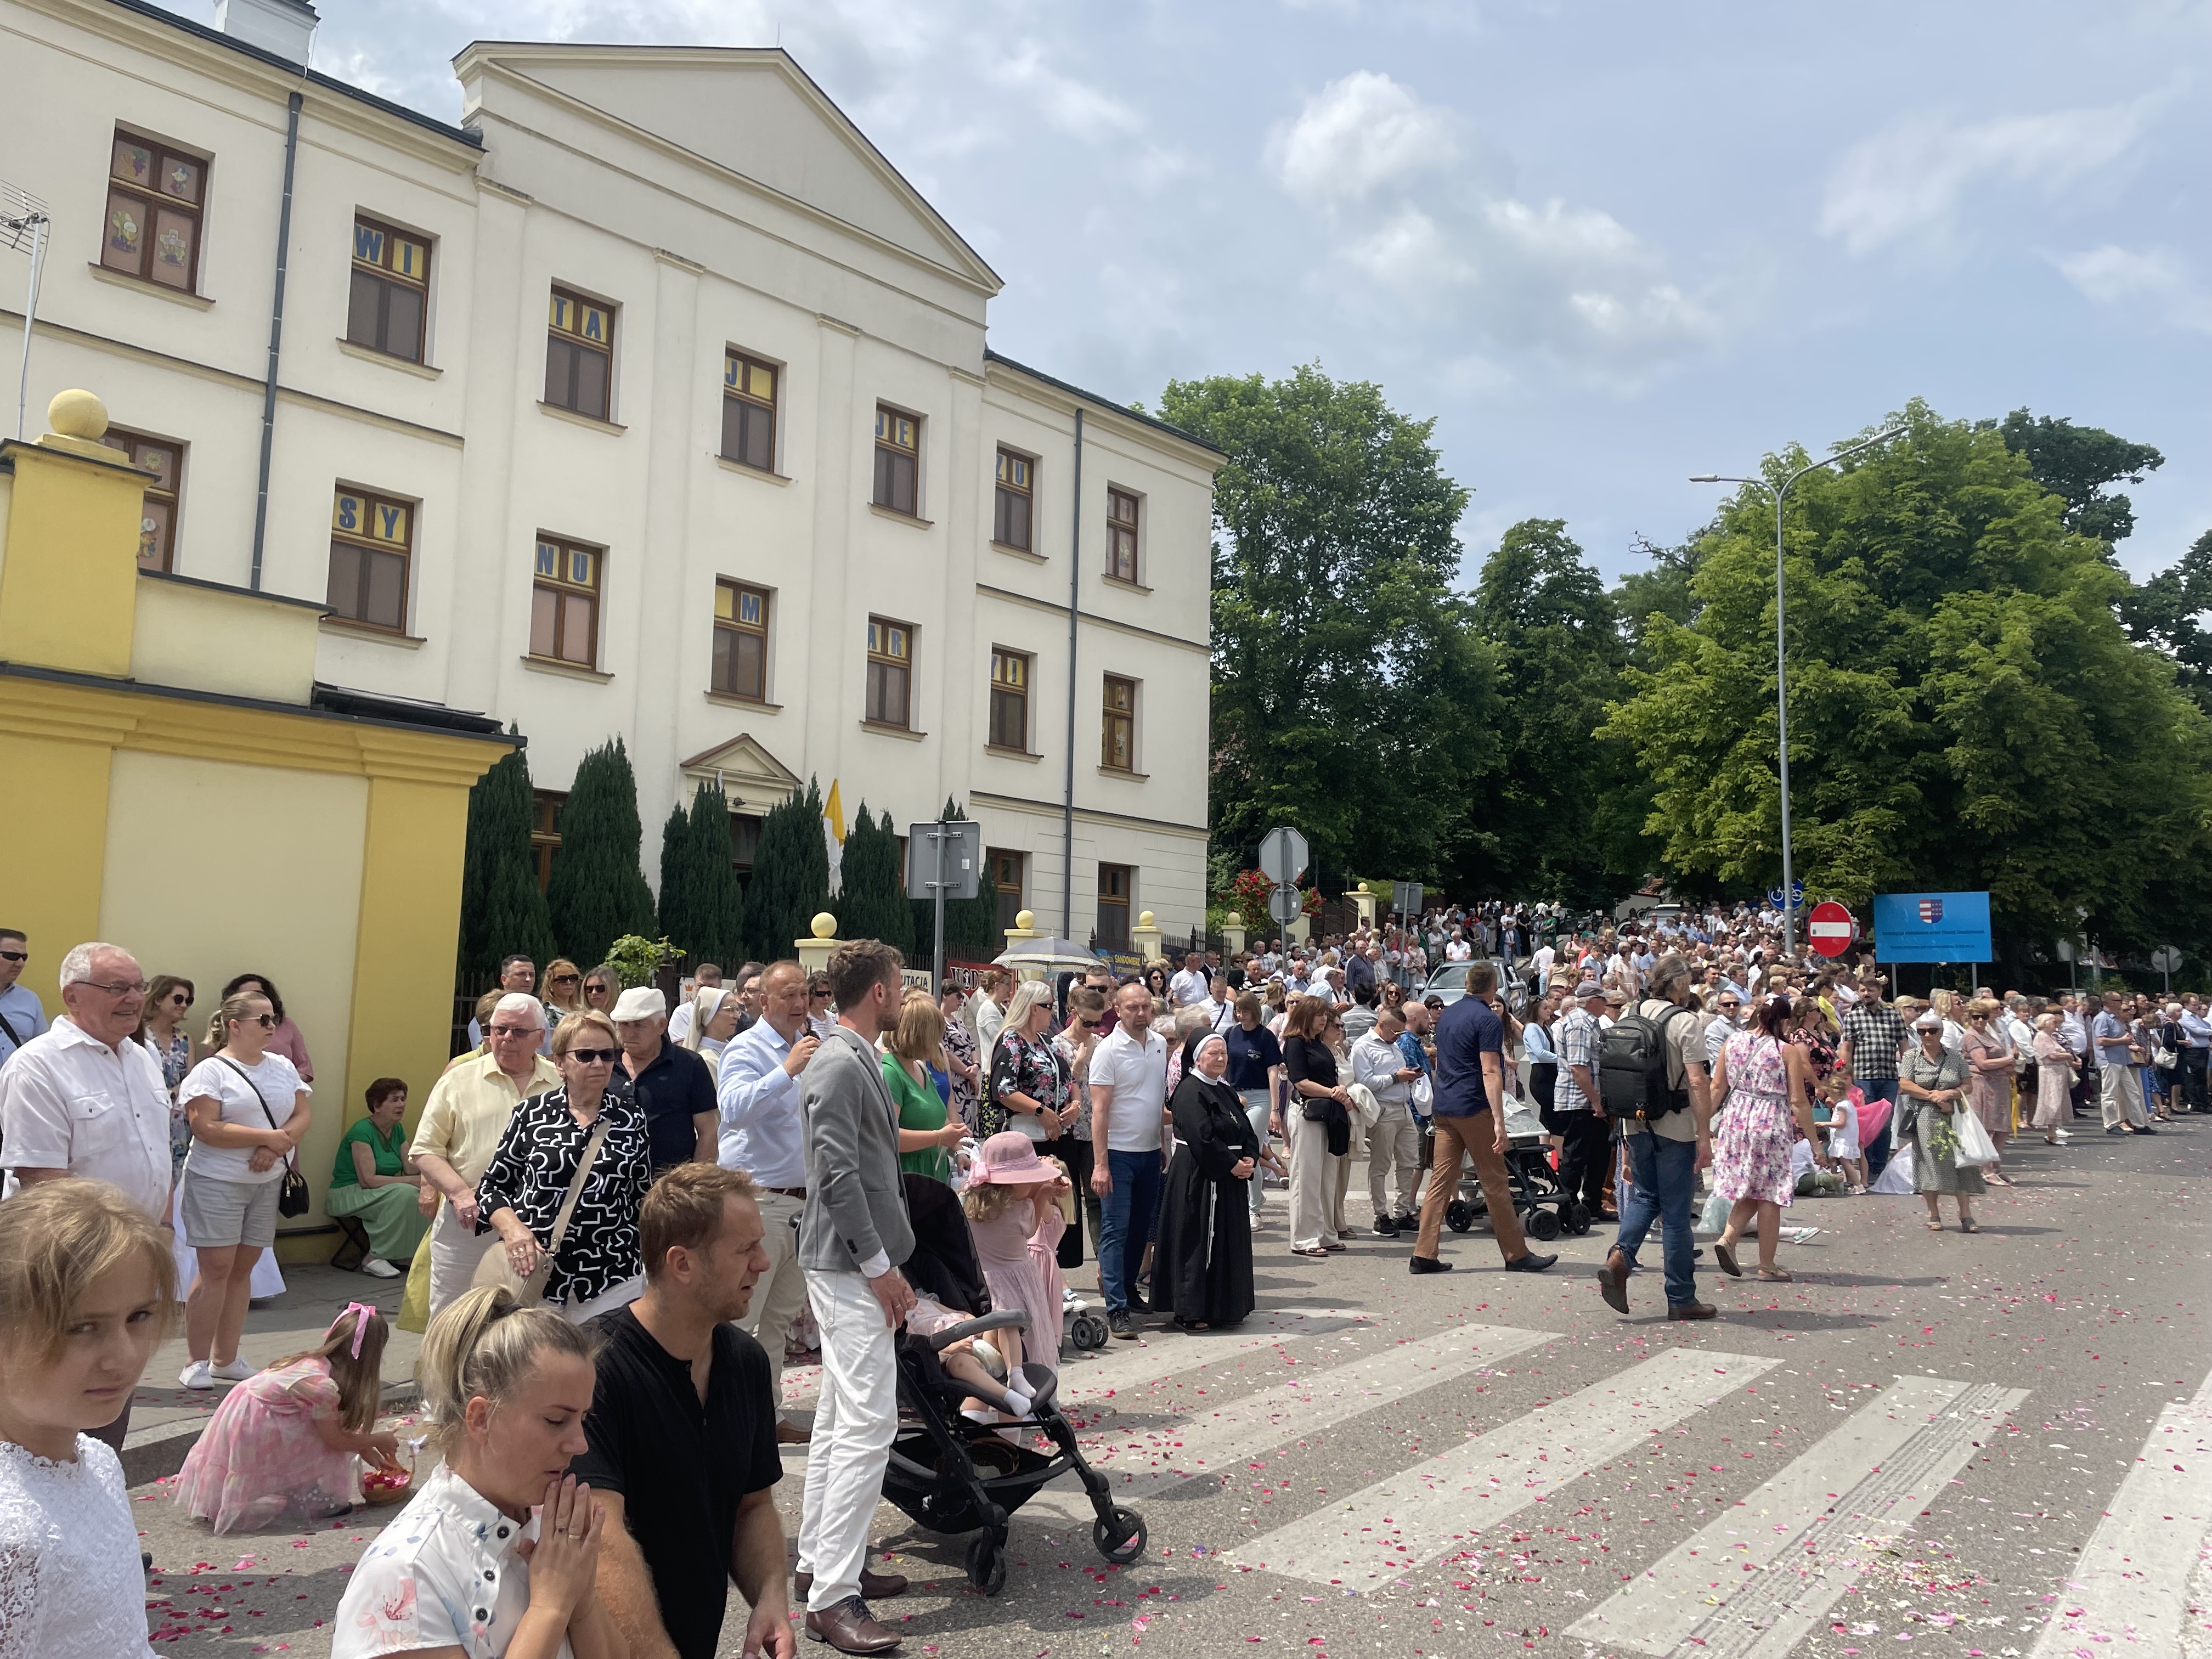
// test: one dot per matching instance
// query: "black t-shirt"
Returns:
(682, 1467)
(1308, 1060)
(1252, 1055)
(671, 1092)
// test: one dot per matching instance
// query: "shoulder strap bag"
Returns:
(14, 1041)
(492, 1271)
(293, 1197)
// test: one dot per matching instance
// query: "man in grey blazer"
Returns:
(853, 1235)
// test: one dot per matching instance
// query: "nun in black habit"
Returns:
(1202, 1268)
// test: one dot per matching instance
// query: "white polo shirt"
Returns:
(1136, 1069)
(69, 1101)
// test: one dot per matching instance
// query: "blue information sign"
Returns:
(1932, 927)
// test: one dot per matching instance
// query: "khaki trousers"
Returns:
(1475, 1136)
(1394, 1143)
(780, 1292)
(1313, 1176)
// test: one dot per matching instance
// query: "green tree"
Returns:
(1669, 587)
(2163, 614)
(1555, 637)
(597, 892)
(676, 902)
(791, 877)
(2079, 464)
(971, 926)
(502, 909)
(873, 904)
(717, 900)
(1342, 655)
(1964, 709)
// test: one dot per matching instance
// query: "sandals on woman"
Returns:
(1726, 1257)
(1968, 1225)
(1778, 1275)
(1933, 1226)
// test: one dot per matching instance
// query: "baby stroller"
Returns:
(950, 1473)
(1546, 1208)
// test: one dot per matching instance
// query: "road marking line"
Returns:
(1806, 1534)
(1194, 1447)
(1495, 1474)
(2131, 1584)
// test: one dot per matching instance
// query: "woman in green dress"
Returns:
(374, 1179)
(917, 1043)
(1933, 1079)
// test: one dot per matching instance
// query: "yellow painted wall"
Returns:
(54, 872)
(70, 605)
(219, 640)
(215, 869)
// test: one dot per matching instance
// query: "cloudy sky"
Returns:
(1607, 243)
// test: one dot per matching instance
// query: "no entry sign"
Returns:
(1830, 928)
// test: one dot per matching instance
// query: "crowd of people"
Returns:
(618, 1222)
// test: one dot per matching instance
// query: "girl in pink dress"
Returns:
(288, 1443)
(1766, 1081)
(1012, 1205)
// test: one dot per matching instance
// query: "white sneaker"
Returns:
(197, 1375)
(236, 1370)
(377, 1267)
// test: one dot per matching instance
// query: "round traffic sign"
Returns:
(1829, 929)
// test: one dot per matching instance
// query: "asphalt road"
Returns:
(1994, 1445)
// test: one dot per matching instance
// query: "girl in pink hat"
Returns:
(1012, 1203)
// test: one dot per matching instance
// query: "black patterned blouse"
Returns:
(1024, 1066)
(530, 1175)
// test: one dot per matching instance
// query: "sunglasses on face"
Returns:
(514, 1031)
(594, 1056)
(267, 1022)
(14, 955)
(180, 999)
(566, 979)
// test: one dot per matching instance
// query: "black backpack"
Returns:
(1632, 1078)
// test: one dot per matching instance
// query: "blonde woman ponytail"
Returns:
(482, 1346)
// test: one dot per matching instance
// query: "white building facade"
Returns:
(650, 402)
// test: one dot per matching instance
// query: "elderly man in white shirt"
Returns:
(763, 1133)
(83, 1100)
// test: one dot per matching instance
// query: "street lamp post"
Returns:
(1782, 657)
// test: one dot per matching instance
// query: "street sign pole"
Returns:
(937, 897)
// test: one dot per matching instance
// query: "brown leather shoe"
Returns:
(874, 1586)
(1691, 1310)
(1613, 1281)
(849, 1627)
(790, 1434)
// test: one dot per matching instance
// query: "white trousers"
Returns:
(853, 1422)
(1394, 1143)
(454, 1253)
(1313, 1182)
(780, 1292)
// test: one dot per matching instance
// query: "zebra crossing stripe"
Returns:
(1142, 1460)
(1750, 1584)
(2132, 1587)
(1413, 1518)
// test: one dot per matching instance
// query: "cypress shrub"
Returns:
(502, 911)
(873, 904)
(717, 899)
(791, 877)
(597, 892)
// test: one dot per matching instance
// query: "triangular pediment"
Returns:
(755, 111)
(754, 780)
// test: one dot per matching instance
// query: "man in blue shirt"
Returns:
(2194, 1058)
(2119, 1084)
(22, 1016)
(1470, 1119)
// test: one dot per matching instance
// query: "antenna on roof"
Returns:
(23, 225)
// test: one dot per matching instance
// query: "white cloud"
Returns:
(1421, 236)
(1356, 136)
(2151, 281)
(1911, 180)
(1079, 110)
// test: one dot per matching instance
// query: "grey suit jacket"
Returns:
(855, 1201)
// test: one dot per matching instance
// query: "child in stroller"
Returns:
(949, 1472)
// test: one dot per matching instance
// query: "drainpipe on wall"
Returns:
(1074, 597)
(275, 340)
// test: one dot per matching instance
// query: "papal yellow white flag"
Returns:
(832, 837)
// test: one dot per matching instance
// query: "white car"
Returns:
(1450, 981)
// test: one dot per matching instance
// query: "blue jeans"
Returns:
(1877, 1150)
(1125, 1222)
(1665, 1173)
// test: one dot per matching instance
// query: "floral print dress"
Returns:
(1021, 1065)
(1751, 1148)
(260, 1459)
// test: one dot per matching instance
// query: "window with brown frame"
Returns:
(740, 641)
(1118, 741)
(564, 603)
(749, 411)
(372, 544)
(1113, 884)
(580, 355)
(890, 672)
(154, 198)
(1121, 535)
(1009, 699)
(544, 832)
(898, 461)
(390, 300)
(157, 523)
(1006, 877)
(1016, 497)
(745, 843)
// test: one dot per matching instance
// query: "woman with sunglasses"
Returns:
(602, 986)
(247, 1106)
(564, 990)
(162, 1030)
(600, 1261)
(284, 1036)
